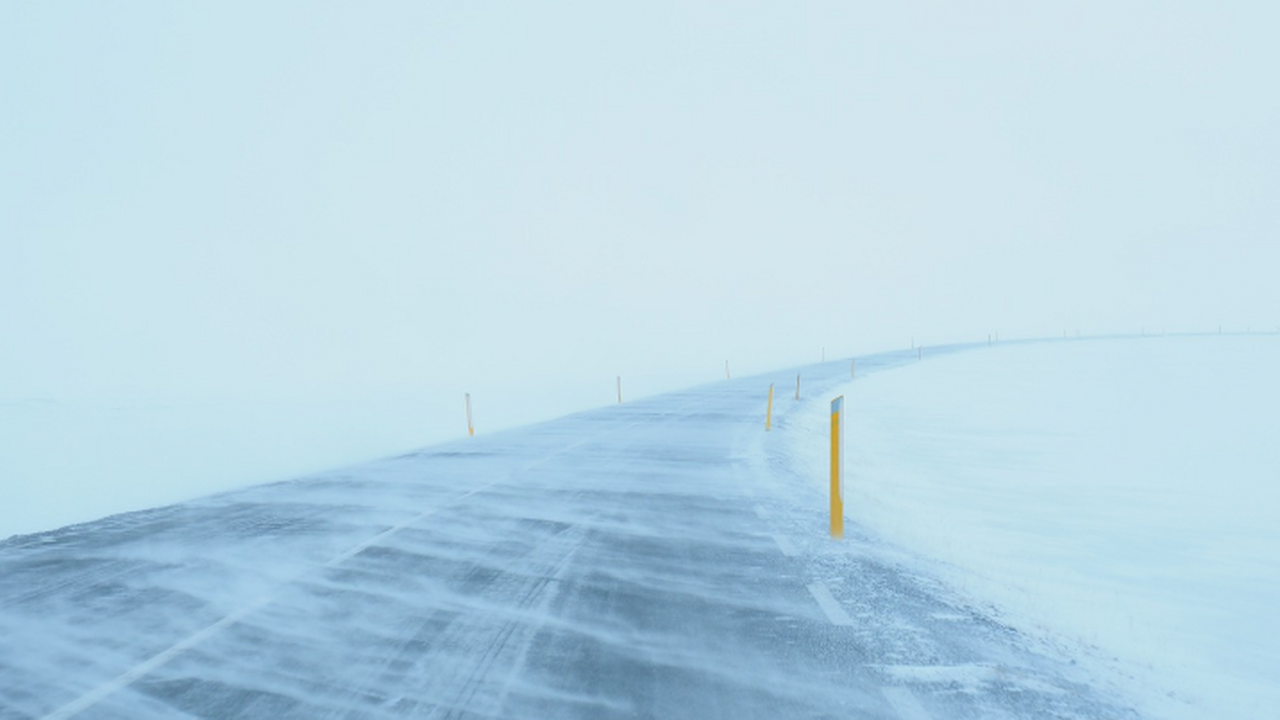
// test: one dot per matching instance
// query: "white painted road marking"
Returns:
(906, 704)
(785, 546)
(835, 613)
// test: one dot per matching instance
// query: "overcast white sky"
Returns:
(318, 198)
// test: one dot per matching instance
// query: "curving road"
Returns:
(649, 560)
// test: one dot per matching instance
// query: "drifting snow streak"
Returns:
(138, 671)
(155, 662)
(906, 704)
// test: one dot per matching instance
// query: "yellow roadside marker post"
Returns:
(837, 468)
(768, 413)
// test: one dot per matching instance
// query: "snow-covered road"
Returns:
(649, 560)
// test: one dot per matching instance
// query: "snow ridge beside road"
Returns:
(1117, 496)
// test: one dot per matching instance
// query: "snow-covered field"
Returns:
(1119, 496)
(69, 462)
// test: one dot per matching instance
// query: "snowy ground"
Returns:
(1118, 495)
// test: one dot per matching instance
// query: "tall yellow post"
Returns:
(837, 468)
(471, 429)
(768, 413)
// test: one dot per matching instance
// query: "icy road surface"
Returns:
(650, 560)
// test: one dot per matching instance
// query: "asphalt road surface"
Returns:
(648, 560)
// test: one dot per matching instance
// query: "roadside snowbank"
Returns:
(1121, 495)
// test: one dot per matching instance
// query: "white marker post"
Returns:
(797, 387)
(726, 371)
(471, 429)
(619, 389)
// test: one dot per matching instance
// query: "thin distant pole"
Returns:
(726, 370)
(471, 429)
(619, 389)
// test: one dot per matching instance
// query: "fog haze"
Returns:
(523, 201)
